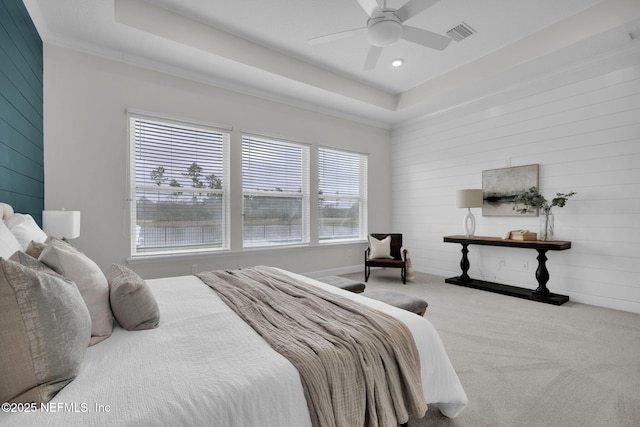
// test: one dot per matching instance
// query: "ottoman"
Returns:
(396, 299)
(343, 283)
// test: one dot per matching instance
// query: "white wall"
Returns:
(582, 126)
(85, 101)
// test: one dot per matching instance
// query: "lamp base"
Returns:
(469, 224)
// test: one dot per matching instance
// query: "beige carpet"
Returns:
(524, 363)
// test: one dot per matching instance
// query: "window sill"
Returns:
(140, 259)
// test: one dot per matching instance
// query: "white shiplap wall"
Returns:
(582, 126)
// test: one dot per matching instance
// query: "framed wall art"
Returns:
(500, 187)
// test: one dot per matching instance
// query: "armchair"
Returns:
(396, 257)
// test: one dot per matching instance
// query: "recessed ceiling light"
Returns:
(397, 62)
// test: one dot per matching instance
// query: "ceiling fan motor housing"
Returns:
(384, 30)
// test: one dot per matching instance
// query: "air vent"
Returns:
(461, 32)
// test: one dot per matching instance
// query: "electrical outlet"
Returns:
(501, 264)
(194, 268)
(525, 265)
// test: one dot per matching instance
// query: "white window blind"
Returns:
(275, 183)
(342, 195)
(179, 200)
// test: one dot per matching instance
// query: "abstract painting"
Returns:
(500, 187)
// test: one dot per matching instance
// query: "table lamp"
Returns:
(61, 224)
(469, 199)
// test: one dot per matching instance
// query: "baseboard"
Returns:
(598, 301)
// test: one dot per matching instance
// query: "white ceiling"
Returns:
(261, 46)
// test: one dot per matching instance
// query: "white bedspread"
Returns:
(205, 367)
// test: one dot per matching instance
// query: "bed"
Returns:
(204, 365)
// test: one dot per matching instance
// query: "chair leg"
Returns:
(367, 271)
(403, 274)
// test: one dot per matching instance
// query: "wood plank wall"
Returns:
(582, 126)
(21, 106)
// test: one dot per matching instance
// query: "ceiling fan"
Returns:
(386, 26)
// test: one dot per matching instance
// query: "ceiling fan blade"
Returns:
(372, 58)
(336, 36)
(425, 38)
(370, 6)
(414, 7)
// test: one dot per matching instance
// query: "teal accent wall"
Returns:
(21, 105)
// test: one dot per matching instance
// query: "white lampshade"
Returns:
(469, 198)
(61, 224)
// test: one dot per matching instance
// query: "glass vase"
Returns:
(546, 225)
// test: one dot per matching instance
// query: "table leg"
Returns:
(464, 262)
(542, 274)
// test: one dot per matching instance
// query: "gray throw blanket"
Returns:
(358, 366)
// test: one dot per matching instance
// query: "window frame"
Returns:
(362, 197)
(225, 133)
(305, 179)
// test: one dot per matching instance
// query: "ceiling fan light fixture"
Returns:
(397, 62)
(384, 31)
(385, 27)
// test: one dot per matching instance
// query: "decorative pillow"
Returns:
(27, 260)
(380, 248)
(91, 281)
(5, 211)
(45, 331)
(8, 242)
(132, 302)
(25, 229)
(35, 249)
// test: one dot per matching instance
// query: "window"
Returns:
(275, 188)
(342, 195)
(179, 195)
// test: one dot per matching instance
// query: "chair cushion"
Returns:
(393, 263)
(396, 299)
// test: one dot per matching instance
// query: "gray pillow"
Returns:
(44, 334)
(133, 305)
(91, 281)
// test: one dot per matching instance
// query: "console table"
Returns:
(541, 294)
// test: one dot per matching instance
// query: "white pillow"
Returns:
(25, 229)
(91, 281)
(8, 242)
(5, 211)
(380, 248)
